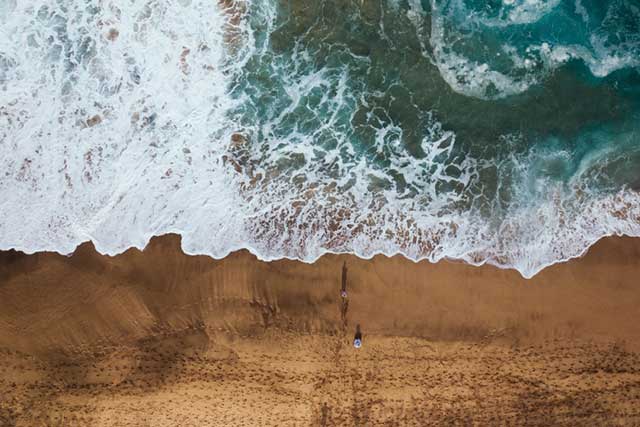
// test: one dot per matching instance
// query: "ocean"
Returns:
(501, 132)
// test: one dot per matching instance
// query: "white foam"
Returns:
(470, 77)
(114, 120)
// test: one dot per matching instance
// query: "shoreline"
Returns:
(256, 254)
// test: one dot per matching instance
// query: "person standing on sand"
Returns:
(357, 339)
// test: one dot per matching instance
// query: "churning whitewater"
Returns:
(503, 132)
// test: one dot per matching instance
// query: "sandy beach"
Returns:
(158, 338)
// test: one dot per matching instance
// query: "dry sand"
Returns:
(158, 338)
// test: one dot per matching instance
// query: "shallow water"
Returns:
(503, 131)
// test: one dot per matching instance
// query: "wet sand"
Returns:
(158, 338)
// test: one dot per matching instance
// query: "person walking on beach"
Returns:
(357, 339)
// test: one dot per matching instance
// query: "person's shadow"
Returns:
(344, 306)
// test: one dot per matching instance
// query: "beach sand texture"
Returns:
(158, 338)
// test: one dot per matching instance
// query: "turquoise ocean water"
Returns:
(498, 130)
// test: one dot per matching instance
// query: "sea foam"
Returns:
(122, 121)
